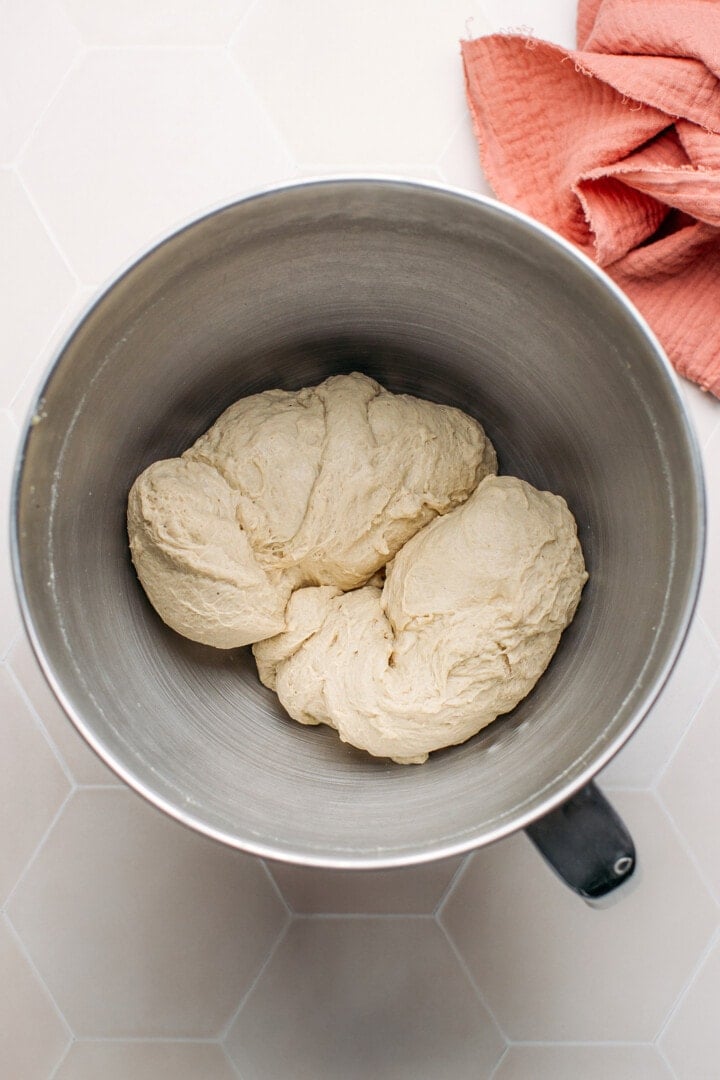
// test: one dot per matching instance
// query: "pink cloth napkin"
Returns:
(617, 147)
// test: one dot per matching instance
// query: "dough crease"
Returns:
(468, 619)
(392, 585)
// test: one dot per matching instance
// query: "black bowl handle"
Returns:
(586, 844)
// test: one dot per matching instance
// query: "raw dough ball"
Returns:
(320, 486)
(195, 562)
(468, 619)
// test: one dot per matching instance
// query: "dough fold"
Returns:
(195, 562)
(468, 619)
(288, 489)
(275, 529)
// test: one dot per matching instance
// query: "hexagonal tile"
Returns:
(171, 926)
(32, 784)
(32, 1034)
(459, 163)
(392, 97)
(691, 1040)
(10, 621)
(689, 788)
(415, 890)
(553, 969)
(358, 998)
(35, 285)
(643, 758)
(709, 603)
(84, 764)
(582, 1063)
(145, 1061)
(169, 130)
(163, 22)
(37, 45)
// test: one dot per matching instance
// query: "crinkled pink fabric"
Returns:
(616, 146)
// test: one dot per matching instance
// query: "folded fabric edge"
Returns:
(699, 362)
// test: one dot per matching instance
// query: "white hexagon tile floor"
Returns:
(132, 948)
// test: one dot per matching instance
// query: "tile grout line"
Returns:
(231, 1063)
(448, 142)
(582, 1042)
(278, 891)
(16, 163)
(664, 1058)
(74, 63)
(36, 852)
(46, 352)
(218, 1041)
(263, 109)
(252, 90)
(680, 837)
(165, 1039)
(225, 1031)
(449, 892)
(144, 47)
(700, 621)
(243, 19)
(7, 413)
(330, 916)
(11, 646)
(450, 886)
(115, 784)
(655, 786)
(468, 975)
(63, 1057)
(205, 1040)
(50, 232)
(9, 416)
(687, 985)
(499, 1062)
(40, 726)
(39, 976)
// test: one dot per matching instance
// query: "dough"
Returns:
(194, 560)
(288, 489)
(277, 525)
(469, 617)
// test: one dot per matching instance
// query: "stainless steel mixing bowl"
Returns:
(431, 291)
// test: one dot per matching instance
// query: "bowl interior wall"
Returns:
(431, 294)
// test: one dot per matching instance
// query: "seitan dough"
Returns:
(276, 526)
(468, 619)
(320, 486)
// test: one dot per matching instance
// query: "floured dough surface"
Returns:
(468, 619)
(195, 561)
(274, 529)
(320, 486)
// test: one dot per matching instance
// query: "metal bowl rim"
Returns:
(542, 806)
